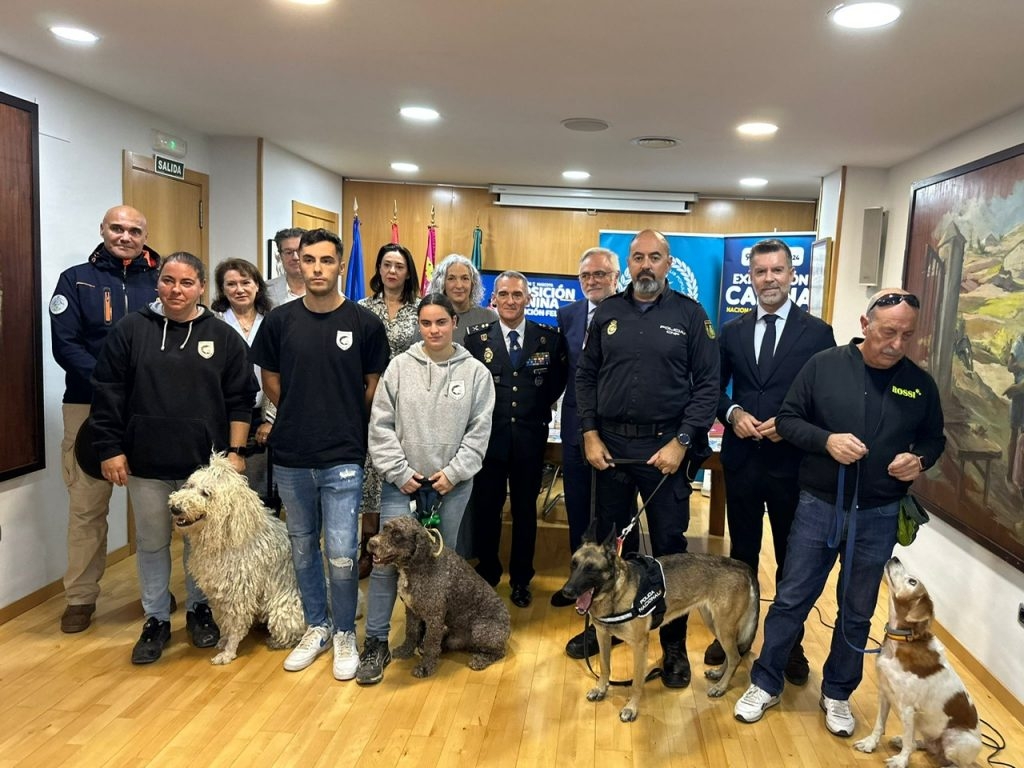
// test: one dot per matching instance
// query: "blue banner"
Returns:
(547, 294)
(738, 295)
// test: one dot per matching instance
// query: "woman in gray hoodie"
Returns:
(429, 427)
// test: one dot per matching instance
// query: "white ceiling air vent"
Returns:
(593, 199)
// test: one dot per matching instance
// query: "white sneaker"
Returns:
(752, 704)
(346, 655)
(838, 717)
(313, 643)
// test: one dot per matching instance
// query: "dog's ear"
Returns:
(921, 611)
(590, 535)
(609, 540)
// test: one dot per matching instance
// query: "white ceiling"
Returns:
(326, 83)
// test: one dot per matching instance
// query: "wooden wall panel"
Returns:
(535, 239)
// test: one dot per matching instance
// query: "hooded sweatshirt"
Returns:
(431, 416)
(165, 392)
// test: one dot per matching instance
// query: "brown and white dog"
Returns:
(915, 679)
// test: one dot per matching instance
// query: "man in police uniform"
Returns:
(646, 390)
(529, 364)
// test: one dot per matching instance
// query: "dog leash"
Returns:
(847, 521)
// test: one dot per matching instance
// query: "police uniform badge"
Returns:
(205, 349)
(488, 355)
(709, 329)
(612, 327)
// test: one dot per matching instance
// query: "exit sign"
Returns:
(167, 167)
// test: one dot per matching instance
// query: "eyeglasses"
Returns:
(599, 275)
(892, 299)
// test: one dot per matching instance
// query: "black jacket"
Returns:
(165, 392)
(827, 397)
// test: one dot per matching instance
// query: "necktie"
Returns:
(767, 353)
(513, 348)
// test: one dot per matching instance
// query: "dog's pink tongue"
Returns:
(583, 602)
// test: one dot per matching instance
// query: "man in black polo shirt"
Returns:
(646, 390)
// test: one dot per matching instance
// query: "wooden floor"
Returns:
(75, 700)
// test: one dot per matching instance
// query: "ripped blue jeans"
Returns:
(324, 500)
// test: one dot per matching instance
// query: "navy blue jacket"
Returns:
(802, 337)
(572, 323)
(88, 300)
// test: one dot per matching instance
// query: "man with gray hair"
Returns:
(289, 285)
(529, 365)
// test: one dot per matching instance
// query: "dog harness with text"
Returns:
(650, 592)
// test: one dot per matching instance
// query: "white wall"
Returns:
(82, 135)
(233, 200)
(976, 593)
(288, 177)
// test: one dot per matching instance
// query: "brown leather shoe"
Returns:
(77, 618)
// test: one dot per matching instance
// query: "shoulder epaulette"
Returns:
(473, 329)
(547, 327)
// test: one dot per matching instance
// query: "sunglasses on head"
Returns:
(892, 299)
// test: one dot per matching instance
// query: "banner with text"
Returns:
(547, 294)
(738, 295)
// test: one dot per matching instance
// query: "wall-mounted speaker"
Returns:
(872, 246)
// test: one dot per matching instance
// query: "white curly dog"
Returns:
(241, 557)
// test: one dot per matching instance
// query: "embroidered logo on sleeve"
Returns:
(58, 304)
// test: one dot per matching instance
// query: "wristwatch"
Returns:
(239, 449)
(684, 439)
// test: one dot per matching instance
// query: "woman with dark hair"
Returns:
(171, 384)
(395, 289)
(241, 302)
(429, 428)
(459, 280)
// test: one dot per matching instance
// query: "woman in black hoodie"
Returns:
(172, 384)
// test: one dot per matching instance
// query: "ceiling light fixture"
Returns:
(753, 181)
(75, 34)
(654, 142)
(310, 2)
(585, 124)
(757, 129)
(864, 15)
(422, 114)
(575, 175)
(405, 167)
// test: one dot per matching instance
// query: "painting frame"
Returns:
(21, 324)
(819, 295)
(964, 261)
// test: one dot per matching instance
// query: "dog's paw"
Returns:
(628, 714)
(403, 652)
(479, 662)
(423, 670)
(896, 761)
(596, 694)
(715, 673)
(223, 658)
(867, 744)
(714, 691)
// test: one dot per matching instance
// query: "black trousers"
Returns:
(521, 473)
(576, 477)
(667, 510)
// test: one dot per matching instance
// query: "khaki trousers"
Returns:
(87, 516)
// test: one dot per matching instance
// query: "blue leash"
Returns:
(846, 520)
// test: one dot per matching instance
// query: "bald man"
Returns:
(867, 411)
(118, 277)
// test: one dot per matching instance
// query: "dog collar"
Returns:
(902, 635)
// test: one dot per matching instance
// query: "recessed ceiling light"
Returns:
(575, 175)
(864, 15)
(753, 181)
(74, 34)
(757, 129)
(585, 124)
(405, 167)
(654, 142)
(310, 2)
(419, 113)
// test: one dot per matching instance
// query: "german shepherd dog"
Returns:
(723, 590)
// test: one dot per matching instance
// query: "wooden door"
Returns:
(310, 217)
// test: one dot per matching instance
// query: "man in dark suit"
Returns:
(762, 352)
(529, 365)
(599, 276)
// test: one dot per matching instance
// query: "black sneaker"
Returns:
(201, 627)
(797, 669)
(714, 656)
(375, 656)
(155, 634)
(675, 667)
